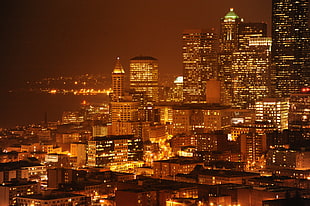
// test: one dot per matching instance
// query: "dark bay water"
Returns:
(21, 108)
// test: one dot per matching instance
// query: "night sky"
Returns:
(68, 37)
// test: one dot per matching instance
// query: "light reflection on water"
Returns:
(21, 108)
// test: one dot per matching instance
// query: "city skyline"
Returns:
(64, 38)
(155, 103)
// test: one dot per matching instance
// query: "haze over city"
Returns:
(155, 103)
(60, 38)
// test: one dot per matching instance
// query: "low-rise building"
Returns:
(11, 190)
(170, 168)
(214, 177)
(63, 199)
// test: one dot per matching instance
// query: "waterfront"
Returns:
(21, 108)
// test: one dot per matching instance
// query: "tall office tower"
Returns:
(290, 45)
(118, 76)
(144, 76)
(251, 65)
(199, 63)
(228, 44)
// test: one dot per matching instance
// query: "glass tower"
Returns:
(251, 65)
(290, 45)
(199, 63)
(144, 76)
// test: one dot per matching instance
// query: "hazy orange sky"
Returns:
(40, 38)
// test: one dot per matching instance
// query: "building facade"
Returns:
(273, 111)
(251, 65)
(199, 63)
(228, 44)
(144, 76)
(114, 151)
(118, 78)
(299, 114)
(290, 45)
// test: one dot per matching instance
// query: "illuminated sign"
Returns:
(237, 120)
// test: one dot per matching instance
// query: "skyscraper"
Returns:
(199, 63)
(118, 76)
(290, 45)
(229, 32)
(250, 71)
(144, 76)
(228, 44)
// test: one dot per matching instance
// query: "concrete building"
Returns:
(288, 159)
(9, 191)
(167, 169)
(114, 150)
(58, 176)
(123, 115)
(63, 199)
(214, 177)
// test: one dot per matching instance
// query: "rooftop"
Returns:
(226, 173)
(18, 165)
(143, 58)
(52, 196)
(149, 184)
(180, 161)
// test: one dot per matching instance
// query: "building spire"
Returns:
(118, 69)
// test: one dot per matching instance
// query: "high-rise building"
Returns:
(250, 66)
(144, 76)
(118, 76)
(228, 44)
(229, 32)
(199, 63)
(251, 72)
(290, 45)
